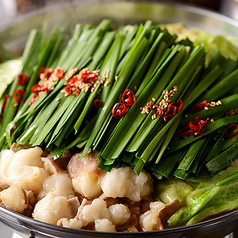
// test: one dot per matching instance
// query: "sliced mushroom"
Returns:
(168, 211)
(30, 201)
(132, 225)
(50, 166)
(75, 222)
(74, 205)
(87, 214)
(156, 217)
(63, 160)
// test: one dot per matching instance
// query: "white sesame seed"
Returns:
(106, 83)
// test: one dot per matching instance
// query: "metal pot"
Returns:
(12, 39)
(230, 8)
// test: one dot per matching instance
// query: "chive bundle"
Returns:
(159, 71)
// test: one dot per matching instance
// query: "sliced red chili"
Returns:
(157, 110)
(180, 106)
(5, 101)
(119, 110)
(168, 117)
(39, 88)
(73, 91)
(173, 109)
(88, 76)
(97, 103)
(185, 131)
(202, 120)
(41, 71)
(200, 106)
(13, 129)
(36, 88)
(59, 73)
(128, 98)
(22, 79)
(4, 105)
(48, 73)
(176, 106)
(33, 99)
(231, 131)
(194, 128)
(72, 81)
(18, 95)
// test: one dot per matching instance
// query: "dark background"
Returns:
(27, 5)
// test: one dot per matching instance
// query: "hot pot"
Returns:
(12, 39)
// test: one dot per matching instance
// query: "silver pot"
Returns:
(230, 8)
(12, 39)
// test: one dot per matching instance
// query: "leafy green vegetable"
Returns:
(8, 72)
(173, 189)
(214, 43)
(211, 197)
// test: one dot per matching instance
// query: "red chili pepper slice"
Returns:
(176, 106)
(128, 98)
(97, 103)
(72, 81)
(22, 79)
(185, 131)
(231, 131)
(173, 109)
(68, 90)
(36, 88)
(13, 129)
(33, 99)
(41, 71)
(157, 110)
(5, 101)
(119, 110)
(167, 117)
(71, 88)
(39, 88)
(200, 106)
(87, 77)
(4, 105)
(194, 127)
(202, 120)
(18, 95)
(180, 107)
(73, 91)
(59, 73)
(48, 73)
